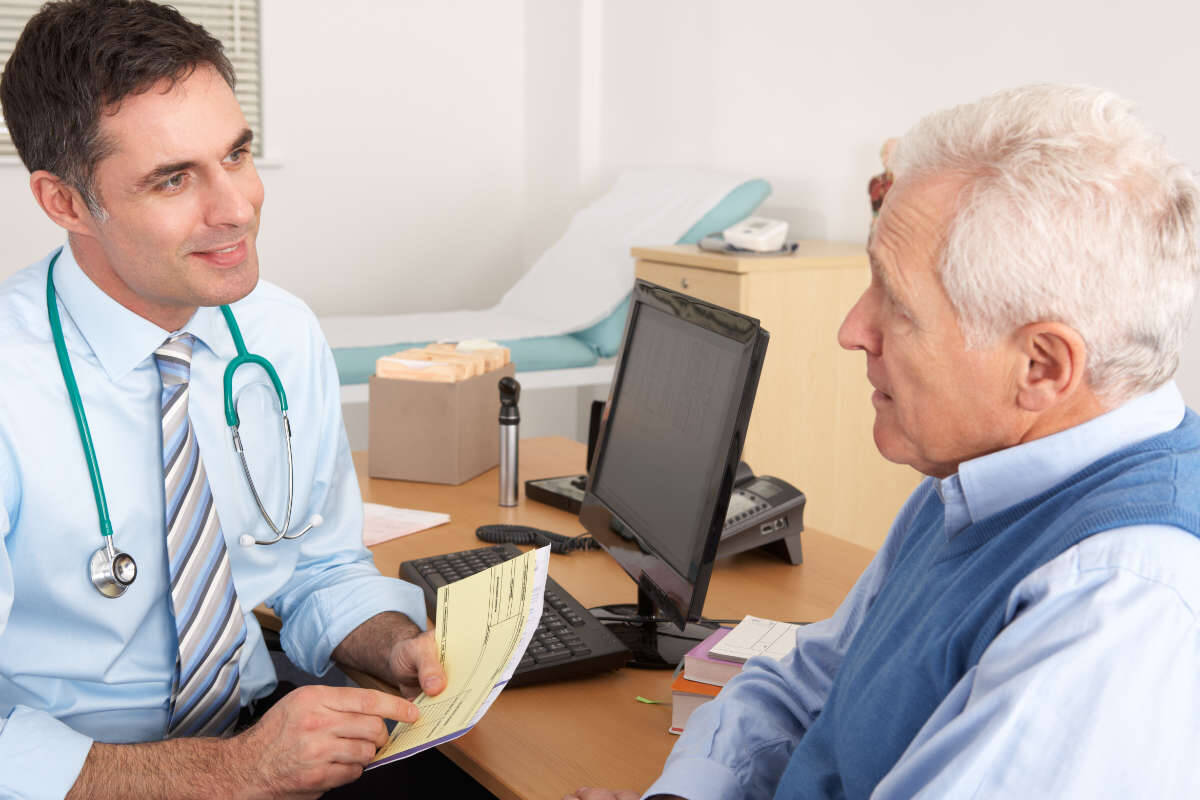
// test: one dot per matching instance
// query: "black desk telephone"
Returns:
(764, 511)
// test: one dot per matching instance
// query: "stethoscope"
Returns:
(111, 570)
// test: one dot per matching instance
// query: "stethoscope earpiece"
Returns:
(248, 540)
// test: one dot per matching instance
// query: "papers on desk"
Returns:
(484, 623)
(755, 636)
(381, 523)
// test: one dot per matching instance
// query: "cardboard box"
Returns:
(434, 432)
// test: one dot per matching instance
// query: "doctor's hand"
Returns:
(416, 667)
(315, 738)
(393, 649)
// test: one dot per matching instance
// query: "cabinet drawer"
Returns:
(720, 288)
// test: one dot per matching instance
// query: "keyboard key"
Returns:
(569, 642)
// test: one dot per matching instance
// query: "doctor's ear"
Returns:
(63, 203)
(1055, 357)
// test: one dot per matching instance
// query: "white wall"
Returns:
(399, 133)
(804, 93)
(395, 155)
(422, 152)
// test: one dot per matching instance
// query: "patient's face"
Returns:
(937, 403)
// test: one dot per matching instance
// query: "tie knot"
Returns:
(174, 359)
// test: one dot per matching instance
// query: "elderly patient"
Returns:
(1029, 627)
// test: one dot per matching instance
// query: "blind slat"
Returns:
(234, 22)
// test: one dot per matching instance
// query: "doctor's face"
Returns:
(181, 201)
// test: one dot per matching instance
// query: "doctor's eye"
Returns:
(238, 156)
(174, 182)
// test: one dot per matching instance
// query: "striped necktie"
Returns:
(208, 617)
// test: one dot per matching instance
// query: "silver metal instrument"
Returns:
(510, 422)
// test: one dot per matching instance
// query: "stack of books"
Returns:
(713, 662)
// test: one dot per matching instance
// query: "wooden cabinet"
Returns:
(812, 421)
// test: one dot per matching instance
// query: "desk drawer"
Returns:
(720, 288)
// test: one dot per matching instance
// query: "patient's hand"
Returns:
(584, 793)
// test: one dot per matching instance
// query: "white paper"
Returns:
(381, 523)
(755, 636)
(495, 614)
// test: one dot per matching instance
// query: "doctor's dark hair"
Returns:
(77, 60)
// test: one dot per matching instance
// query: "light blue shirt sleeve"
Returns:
(1102, 637)
(1099, 642)
(40, 757)
(335, 586)
(739, 744)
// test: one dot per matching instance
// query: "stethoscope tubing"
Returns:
(85, 433)
(101, 568)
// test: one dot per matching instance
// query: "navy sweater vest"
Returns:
(944, 602)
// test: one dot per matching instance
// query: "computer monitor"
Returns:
(665, 459)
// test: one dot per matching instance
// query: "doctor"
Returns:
(125, 116)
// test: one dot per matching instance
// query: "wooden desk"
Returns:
(545, 740)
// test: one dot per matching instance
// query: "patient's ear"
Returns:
(1055, 357)
(62, 203)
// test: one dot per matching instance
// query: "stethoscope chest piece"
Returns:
(112, 571)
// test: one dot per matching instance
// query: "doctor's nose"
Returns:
(234, 201)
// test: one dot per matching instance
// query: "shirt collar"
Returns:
(118, 337)
(996, 481)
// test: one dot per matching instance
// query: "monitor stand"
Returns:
(653, 644)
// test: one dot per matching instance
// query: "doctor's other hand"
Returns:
(314, 739)
(392, 648)
(416, 667)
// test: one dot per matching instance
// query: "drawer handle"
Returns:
(683, 283)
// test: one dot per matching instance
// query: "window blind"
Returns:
(234, 22)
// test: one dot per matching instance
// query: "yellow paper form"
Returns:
(484, 623)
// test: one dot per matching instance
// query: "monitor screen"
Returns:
(669, 443)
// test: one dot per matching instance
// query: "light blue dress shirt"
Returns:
(1092, 689)
(76, 666)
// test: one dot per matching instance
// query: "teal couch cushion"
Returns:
(357, 364)
(605, 336)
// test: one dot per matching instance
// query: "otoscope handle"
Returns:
(510, 423)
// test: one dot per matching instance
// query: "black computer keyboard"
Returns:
(569, 642)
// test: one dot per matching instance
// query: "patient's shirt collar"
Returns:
(986, 485)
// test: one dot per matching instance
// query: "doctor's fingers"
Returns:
(416, 663)
(353, 700)
(336, 711)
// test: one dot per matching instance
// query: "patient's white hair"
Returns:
(1072, 212)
